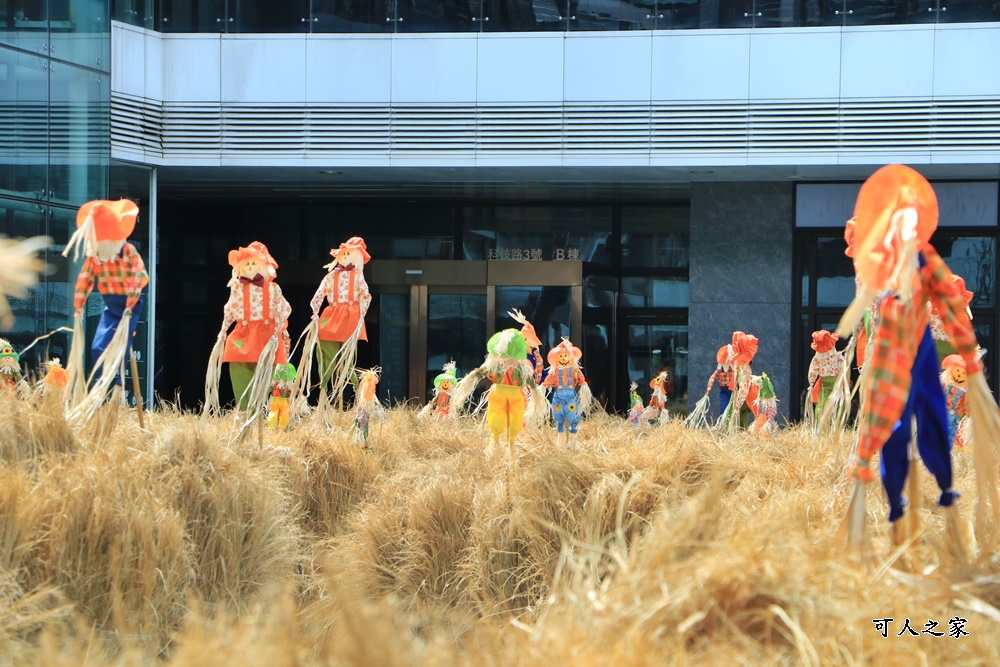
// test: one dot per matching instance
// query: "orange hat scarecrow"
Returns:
(99, 221)
(353, 243)
(565, 347)
(743, 348)
(722, 356)
(824, 341)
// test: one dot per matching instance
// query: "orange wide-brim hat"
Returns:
(951, 361)
(960, 284)
(744, 347)
(824, 341)
(256, 250)
(113, 220)
(564, 346)
(722, 356)
(878, 241)
(353, 243)
(850, 234)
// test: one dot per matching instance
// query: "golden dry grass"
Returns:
(654, 546)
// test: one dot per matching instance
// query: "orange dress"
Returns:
(259, 313)
(347, 294)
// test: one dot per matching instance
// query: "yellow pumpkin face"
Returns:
(564, 359)
(958, 376)
(445, 385)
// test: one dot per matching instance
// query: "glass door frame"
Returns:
(426, 277)
(625, 318)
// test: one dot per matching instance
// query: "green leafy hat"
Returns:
(766, 388)
(449, 374)
(7, 351)
(508, 344)
(283, 373)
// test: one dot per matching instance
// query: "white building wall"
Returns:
(714, 97)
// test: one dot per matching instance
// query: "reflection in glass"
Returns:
(25, 24)
(268, 16)
(656, 236)
(967, 11)
(79, 134)
(974, 258)
(520, 16)
(140, 13)
(874, 12)
(456, 331)
(438, 15)
(597, 361)
(394, 347)
(614, 15)
(835, 273)
(538, 232)
(353, 16)
(655, 348)
(599, 291)
(195, 16)
(654, 292)
(548, 309)
(80, 32)
(24, 99)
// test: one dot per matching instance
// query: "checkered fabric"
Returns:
(125, 276)
(900, 329)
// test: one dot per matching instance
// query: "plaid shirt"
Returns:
(125, 275)
(900, 329)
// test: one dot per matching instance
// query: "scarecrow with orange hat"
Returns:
(824, 369)
(367, 406)
(896, 213)
(741, 352)
(635, 408)
(116, 269)
(258, 314)
(656, 409)
(571, 395)
(954, 377)
(727, 380)
(534, 344)
(338, 328)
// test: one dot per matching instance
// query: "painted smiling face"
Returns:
(445, 386)
(564, 359)
(250, 268)
(350, 258)
(958, 376)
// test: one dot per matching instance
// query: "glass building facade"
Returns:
(55, 150)
(420, 16)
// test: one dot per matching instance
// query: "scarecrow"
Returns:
(571, 397)
(724, 374)
(338, 328)
(115, 268)
(55, 376)
(10, 368)
(259, 312)
(636, 408)
(367, 406)
(938, 331)
(656, 409)
(507, 366)
(741, 352)
(765, 405)
(953, 381)
(896, 213)
(534, 344)
(444, 383)
(825, 368)
(282, 382)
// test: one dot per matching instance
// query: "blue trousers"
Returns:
(114, 309)
(926, 401)
(725, 393)
(565, 409)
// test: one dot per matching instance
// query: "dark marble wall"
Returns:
(741, 279)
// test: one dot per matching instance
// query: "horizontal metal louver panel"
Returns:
(212, 130)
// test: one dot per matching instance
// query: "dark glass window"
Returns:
(974, 258)
(548, 308)
(656, 237)
(834, 273)
(654, 292)
(538, 232)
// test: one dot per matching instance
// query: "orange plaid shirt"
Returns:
(900, 329)
(125, 275)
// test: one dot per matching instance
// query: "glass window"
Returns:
(835, 273)
(652, 349)
(437, 16)
(597, 361)
(520, 16)
(656, 237)
(195, 16)
(25, 24)
(967, 11)
(353, 16)
(975, 259)
(599, 291)
(268, 16)
(24, 96)
(456, 331)
(538, 232)
(80, 32)
(399, 232)
(547, 308)
(394, 346)
(626, 15)
(79, 136)
(140, 13)
(654, 292)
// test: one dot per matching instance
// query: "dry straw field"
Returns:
(657, 546)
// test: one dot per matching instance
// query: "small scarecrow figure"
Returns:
(444, 383)
(338, 328)
(571, 397)
(824, 369)
(282, 382)
(765, 405)
(534, 344)
(10, 368)
(953, 381)
(507, 366)
(259, 312)
(115, 267)
(896, 214)
(656, 409)
(727, 379)
(636, 408)
(938, 331)
(741, 352)
(366, 405)
(55, 376)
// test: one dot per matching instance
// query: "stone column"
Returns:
(741, 279)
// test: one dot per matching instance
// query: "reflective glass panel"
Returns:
(25, 24)
(549, 309)
(967, 11)
(394, 346)
(140, 13)
(974, 258)
(24, 101)
(79, 134)
(194, 16)
(353, 16)
(402, 232)
(876, 12)
(456, 331)
(652, 349)
(438, 15)
(520, 16)
(268, 16)
(730, 14)
(599, 291)
(835, 273)
(597, 361)
(538, 232)
(654, 292)
(80, 32)
(679, 14)
(614, 15)
(656, 237)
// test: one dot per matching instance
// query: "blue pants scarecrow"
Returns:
(114, 310)
(565, 409)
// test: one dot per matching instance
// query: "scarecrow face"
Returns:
(350, 257)
(564, 359)
(958, 376)
(251, 268)
(445, 385)
(7, 360)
